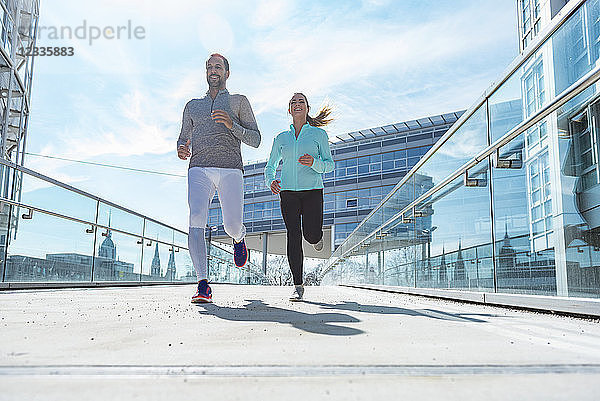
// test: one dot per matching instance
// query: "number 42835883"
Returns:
(50, 51)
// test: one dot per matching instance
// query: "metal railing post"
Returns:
(94, 242)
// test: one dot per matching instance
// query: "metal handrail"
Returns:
(101, 226)
(542, 37)
(82, 221)
(83, 193)
(571, 92)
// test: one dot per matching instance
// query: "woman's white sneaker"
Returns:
(298, 293)
(319, 245)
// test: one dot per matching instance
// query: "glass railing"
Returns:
(58, 233)
(508, 200)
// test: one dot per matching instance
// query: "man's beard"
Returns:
(215, 84)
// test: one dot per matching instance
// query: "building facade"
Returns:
(533, 16)
(520, 211)
(368, 164)
(18, 19)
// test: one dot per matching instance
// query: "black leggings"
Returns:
(309, 205)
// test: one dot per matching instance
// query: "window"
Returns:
(530, 20)
(418, 152)
(400, 154)
(328, 202)
(540, 202)
(584, 149)
(536, 136)
(363, 160)
(340, 201)
(388, 156)
(351, 203)
(342, 231)
(375, 159)
(387, 165)
(412, 161)
(400, 163)
(533, 88)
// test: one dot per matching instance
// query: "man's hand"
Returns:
(306, 160)
(275, 188)
(221, 116)
(183, 151)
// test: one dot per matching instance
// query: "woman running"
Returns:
(304, 150)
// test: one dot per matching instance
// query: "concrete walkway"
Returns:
(150, 343)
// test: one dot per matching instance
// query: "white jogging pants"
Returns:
(202, 184)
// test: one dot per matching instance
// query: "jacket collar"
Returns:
(218, 93)
(293, 129)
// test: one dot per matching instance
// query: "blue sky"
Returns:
(120, 101)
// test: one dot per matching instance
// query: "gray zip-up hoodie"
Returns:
(213, 145)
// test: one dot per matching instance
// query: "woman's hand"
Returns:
(306, 160)
(275, 188)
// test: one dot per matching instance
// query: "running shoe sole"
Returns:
(201, 300)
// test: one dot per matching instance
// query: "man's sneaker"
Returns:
(203, 293)
(319, 245)
(298, 293)
(240, 253)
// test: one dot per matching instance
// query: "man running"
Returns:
(215, 126)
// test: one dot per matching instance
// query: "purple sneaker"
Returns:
(240, 253)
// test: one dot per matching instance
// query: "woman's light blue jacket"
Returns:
(286, 147)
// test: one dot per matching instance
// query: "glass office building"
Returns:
(368, 164)
(18, 20)
(514, 203)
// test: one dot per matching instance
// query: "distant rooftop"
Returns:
(396, 128)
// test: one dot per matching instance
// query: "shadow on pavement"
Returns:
(393, 310)
(258, 311)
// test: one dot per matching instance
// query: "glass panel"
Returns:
(524, 264)
(399, 254)
(116, 218)
(546, 187)
(453, 236)
(578, 223)
(181, 239)
(39, 193)
(466, 142)
(159, 262)
(159, 232)
(118, 257)
(506, 108)
(402, 197)
(184, 268)
(572, 55)
(47, 248)
(222, 270)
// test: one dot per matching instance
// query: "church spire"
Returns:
(107, 248)
(506, 241)
(459, 267)
(109, 232)
(443, 271)
(155, 267)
